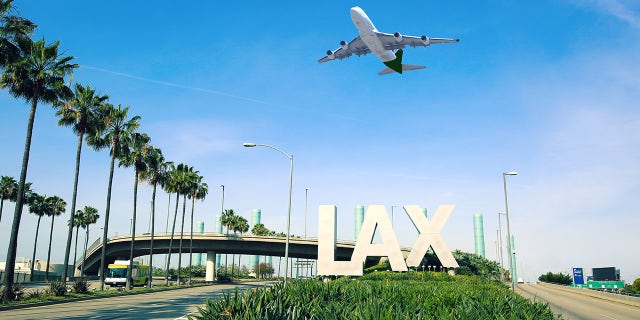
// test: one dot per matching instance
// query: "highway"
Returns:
(574, 305)
(173, 304)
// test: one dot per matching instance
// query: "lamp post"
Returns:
(392, 214)
(306, 202)
(226, 256)
(290, 156)
(500, 239)
(506, 207)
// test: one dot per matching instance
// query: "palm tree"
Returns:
(91, 216)
(135, 156)
(8, 191)
(37, 75)
(81, 220)
(11, 27)
(172, 184)
(227, 220)
(81, 112)
(55, 207)
(38, 207)
(242, 225)
(116, 135)
(199, 191)
(187, 178)
(154, 174)
(78, 221)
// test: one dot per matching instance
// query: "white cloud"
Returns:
(621, 9)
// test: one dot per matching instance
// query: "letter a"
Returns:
(376, 216)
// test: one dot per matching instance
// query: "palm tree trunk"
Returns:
(184, 208)
(1, 205)
(17, 215)
(133, 232)
(153, 228)
(35, 242)
(173, 228)
(46, 273)
(166, 229)
(103, 255)
(193, 201)
(73, 211)
(75, 252)
(84, 255)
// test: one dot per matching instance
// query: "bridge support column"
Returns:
(211, 266)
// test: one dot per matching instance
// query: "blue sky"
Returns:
(548, 89)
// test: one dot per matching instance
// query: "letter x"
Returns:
(430, 236)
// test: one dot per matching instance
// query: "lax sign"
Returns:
(376, 218)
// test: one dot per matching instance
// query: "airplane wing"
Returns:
(398, 41)
(355, 46)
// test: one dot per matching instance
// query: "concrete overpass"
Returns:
(118, 247)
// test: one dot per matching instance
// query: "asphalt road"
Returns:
(171, 304)
(577, 306)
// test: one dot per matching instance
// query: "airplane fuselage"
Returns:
(367, 34)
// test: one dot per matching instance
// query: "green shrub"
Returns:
(35, 294)
(557, 278)
(57, 288)
(379, 295)
(80, 286)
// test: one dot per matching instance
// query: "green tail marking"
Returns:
(396, 64)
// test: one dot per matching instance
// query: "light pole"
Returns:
(500, 238)
(306, 202)
(392, 214)
(290, 156)
(226, 256)
(506, 207)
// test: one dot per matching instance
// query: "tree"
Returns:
(37, 75)
(199, 191)
(241, 225)
(172, 184)
(155, 173)
(82, 219)
(38, 207)
(55, 207)
(260, 230)
(8, 191)
(226, 220)
(134, 156)
(187, 178)
(81, 112)
(115, 135)
(91, 216)
(263, 269)
(11, 27)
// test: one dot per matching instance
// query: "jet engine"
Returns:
(330, 54)
(425, 40)
(344, 45)
(398, 36)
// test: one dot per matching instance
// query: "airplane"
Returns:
(381, 44)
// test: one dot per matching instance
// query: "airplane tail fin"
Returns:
(405, 67)
(397, 66)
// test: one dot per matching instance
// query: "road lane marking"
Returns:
(606, 316)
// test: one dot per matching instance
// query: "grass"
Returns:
(379, 295)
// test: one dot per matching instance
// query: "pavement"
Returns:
(581, 303)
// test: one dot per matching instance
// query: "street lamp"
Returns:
(500, 238)
(506, 206)
(290, 156)
(306, 202)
